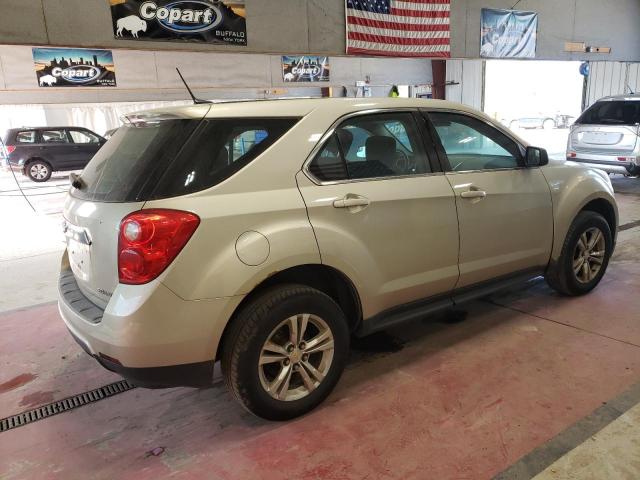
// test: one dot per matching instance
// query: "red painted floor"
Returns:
(459, 401)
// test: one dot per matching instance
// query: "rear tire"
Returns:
(297, 371)
(585, 256)
(38, 171)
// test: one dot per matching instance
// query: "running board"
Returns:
(430, 306)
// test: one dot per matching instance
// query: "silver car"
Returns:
(264, 234)
(606, 135)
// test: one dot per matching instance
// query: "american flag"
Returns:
(399, 28)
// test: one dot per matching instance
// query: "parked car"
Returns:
(263, 234)
(529, 123)
(37, 152)
(546, 122)
(605, 136)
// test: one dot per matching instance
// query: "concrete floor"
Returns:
(429, 400)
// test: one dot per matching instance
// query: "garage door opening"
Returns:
(539, 100)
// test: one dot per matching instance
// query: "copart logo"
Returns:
(312, 71)
(79, 74)
(183, 16)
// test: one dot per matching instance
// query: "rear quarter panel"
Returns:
(572, 188)
(262, 197)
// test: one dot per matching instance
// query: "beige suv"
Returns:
(265, 234)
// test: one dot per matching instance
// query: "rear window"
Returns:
(612, 113)
(26, 137)
(172, 157)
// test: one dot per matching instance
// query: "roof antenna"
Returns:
(196, 100)
(630, 90)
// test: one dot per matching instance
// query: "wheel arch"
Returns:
(37, 159)
(324, 278)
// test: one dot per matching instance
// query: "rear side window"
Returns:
(26, 137)
(612, 113)
(172, 157)
(372, 146)
(217, 150)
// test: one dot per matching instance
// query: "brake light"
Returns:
(572, 155)
(10, 149)
(150, 240)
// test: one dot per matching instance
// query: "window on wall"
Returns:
(372, 146)
(471, 144)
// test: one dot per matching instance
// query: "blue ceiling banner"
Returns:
(207, 21)
(74, 67)
(508, 34)
(305, 68)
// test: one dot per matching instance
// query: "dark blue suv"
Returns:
(37, 152)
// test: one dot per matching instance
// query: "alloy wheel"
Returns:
(39, 171)
(588, 255)
(296, 357)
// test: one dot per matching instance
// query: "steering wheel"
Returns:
(402, 162)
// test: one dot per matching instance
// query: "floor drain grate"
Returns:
(64, 405)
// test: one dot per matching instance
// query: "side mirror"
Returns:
(536, 157)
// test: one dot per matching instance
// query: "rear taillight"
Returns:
(10, 149)
(150, 240)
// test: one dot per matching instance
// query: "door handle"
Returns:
(473, 193)
(350, 202)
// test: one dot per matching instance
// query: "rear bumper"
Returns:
(606, 163)
(148, 334)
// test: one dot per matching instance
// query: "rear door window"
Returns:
(26, 137)
(372, 146)
(54, 136)
(612, 113)
(160, 158)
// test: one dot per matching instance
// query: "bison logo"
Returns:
(133, 24)
(48, 80)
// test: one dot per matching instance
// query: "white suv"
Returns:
(264, 234)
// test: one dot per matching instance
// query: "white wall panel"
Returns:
(470, 76)
(151, 75)
(611, 78)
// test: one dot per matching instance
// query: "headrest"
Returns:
(380, 148)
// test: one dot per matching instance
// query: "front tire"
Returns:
(585, 256)
(38, 171)
(285, 351)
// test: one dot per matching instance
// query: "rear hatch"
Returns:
(118, 181)
(154, 156)
(607, 128)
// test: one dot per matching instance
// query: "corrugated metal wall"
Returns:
(611, 78)
(470, 75)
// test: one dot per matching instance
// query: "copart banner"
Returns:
(508, 34)
(74, 67)
(209, 21)
(305, 68)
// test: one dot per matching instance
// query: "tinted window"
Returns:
(611, 113)
(26, 137)
(471, 144)
(79, 136)
(54, 136)
(171, 157)
(372, 146)
(217, 150)
(329, 165)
